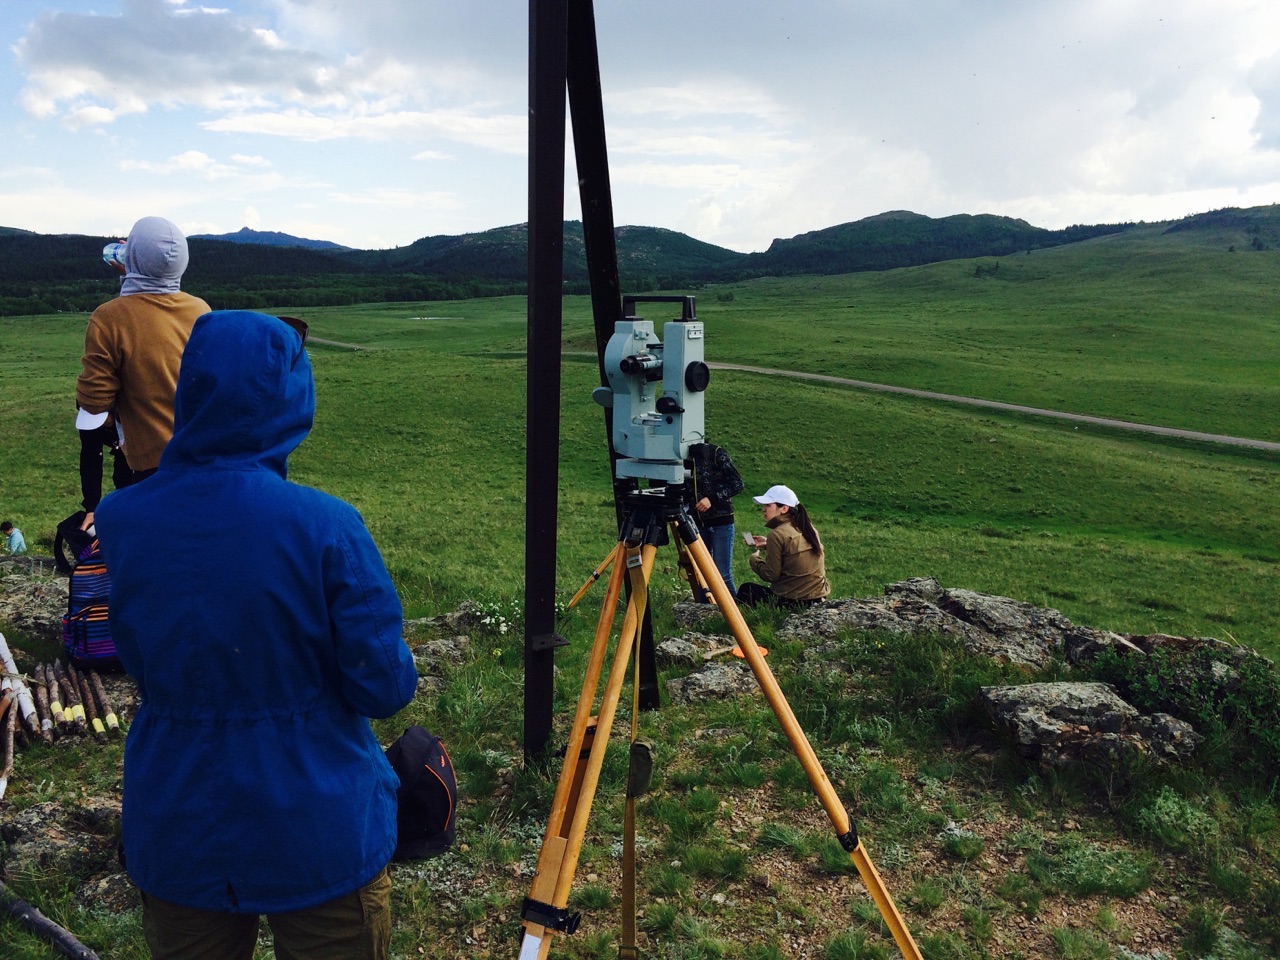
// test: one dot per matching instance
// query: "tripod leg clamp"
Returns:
(849, 840)
(640, 770)
(553, 918)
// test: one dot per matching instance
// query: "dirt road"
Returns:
(1011, 407)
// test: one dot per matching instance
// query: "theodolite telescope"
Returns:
(652, 431)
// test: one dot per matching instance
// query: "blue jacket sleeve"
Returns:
(378, 677)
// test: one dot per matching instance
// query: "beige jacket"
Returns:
(132, 351)
(795, 569)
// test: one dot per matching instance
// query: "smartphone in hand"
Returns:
(749, 539)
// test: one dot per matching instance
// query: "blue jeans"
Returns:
(719, 541)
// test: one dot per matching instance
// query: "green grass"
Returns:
(424, 433)
(1082, 869)
(1131, 534)
(1135, 327)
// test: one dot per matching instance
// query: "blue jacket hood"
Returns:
(246, 397)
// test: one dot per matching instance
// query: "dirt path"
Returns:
(1009, 407)
(338, 343)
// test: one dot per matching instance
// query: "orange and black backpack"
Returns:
(427, 817)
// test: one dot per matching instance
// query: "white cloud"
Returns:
(736, 123)
(714, 97)
(89, 117)
(505, 134)
(392, 198)
(270, 39)
(722, 142)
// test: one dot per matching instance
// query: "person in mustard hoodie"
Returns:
(133, 346)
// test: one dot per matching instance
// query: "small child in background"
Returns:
(13, 539)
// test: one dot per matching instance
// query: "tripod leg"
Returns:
(688, 568)
(545, 909)
(595, 575)
(845, 830)
(578, 734)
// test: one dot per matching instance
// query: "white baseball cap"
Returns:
(779, 494)
(89, 421)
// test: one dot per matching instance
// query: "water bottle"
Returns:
(114, 253)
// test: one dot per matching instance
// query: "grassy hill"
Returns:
(1148, 325)
(1139, 326)
(900, 238)
(40, 274)
(423, 430)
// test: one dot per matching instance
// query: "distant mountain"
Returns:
(503, 254)
(42, 273)
(900, 238)
(268, 238)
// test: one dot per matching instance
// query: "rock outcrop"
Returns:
(1054, 724)
(1059, 724)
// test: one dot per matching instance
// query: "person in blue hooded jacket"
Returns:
(253, 784)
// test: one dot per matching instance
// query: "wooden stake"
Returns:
(42, 704)
(91, 710)
(10, 724)
(108, 715)
(60, 719)
(43, 927)
(12, 678)
(74, 708)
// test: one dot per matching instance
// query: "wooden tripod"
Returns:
(545, 911)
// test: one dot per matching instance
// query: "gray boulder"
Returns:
(1080, 645)
(715, 681)
(690, 649)
(469, 617)
(52, 837)
(1057, 724)
(998, 627)
(693, 616)
(437, 657)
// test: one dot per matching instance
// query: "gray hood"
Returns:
(155, 256)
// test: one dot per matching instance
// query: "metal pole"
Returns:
(548, 54)
(586, 107)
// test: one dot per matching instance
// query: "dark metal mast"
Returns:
(563, 56)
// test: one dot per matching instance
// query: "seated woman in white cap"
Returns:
(792, 564)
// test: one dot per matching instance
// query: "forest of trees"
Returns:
(41, 273)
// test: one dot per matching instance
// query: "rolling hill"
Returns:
(42, 273)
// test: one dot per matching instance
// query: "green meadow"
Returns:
(423, 429)
(420, 423)
(1136, 326)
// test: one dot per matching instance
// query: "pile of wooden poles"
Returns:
(55, 701)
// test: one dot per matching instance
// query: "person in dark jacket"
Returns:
(253, 783)
(715, 483)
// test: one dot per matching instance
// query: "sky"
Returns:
(373, 123)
